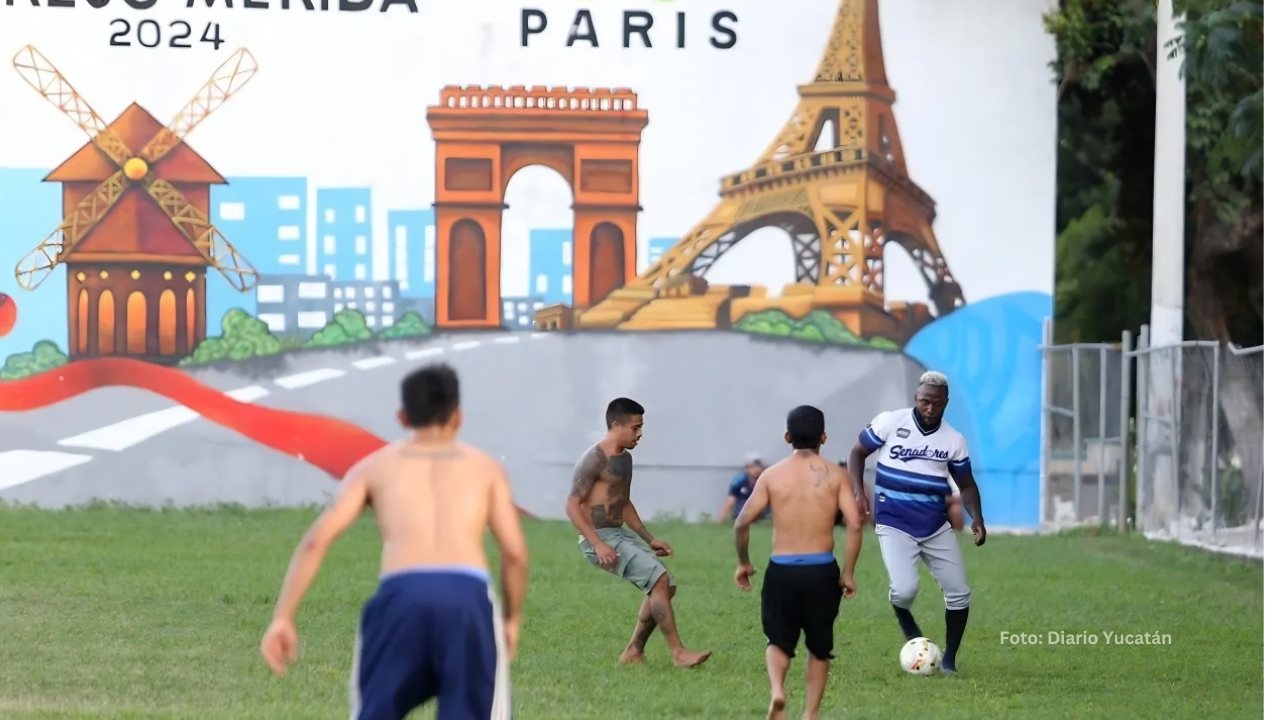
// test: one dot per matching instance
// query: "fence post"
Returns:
(1126, 345)
(1102, 437)
(1143, 360)
(1257, 512)
(1257, 518)
(1213, 440)
(1178, 352)
(1257, 508)
(1046, 414)
(1075, 426)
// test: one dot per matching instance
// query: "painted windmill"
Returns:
(136, 239)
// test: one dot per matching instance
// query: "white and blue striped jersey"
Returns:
(913, 470)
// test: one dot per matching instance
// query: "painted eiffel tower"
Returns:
(840, 207)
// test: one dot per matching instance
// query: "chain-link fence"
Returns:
(1239, 452)
(1081, 478)
(1167, 440)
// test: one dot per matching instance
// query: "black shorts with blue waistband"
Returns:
(801, 593)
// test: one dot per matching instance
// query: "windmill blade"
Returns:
(195, 225)
(225, 82)
(226, 259)
(41, 74)
(40, 262)
(36, 266)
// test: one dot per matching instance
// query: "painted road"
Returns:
(536, 400)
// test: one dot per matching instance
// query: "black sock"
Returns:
(907, 622)
(956, 620)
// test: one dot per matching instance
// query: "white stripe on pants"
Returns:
(502, 673)
(353, 685)
(941, 554)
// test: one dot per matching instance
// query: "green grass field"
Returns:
(121, 613)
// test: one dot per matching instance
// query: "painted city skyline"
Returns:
(286, 226)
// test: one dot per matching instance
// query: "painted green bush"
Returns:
(44, 356)
(409, 325)
(818, 326)
(346, 327)
(243, 337)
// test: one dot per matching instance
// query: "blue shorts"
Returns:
(430, 633)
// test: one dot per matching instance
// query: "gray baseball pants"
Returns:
(941, 554)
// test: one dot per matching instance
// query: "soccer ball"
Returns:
(920, 657)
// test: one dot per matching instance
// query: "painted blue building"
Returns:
(517, 312)
(551, 265)
(377, 300)
(265, 218)
(344, 232)
(294, 305)
(413, 251)
(300, 305)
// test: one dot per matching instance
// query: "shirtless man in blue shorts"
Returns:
(432, 628)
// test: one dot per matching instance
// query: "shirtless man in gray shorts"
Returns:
(599, 504)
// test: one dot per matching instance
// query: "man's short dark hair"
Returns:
(806, 425)
(620, 409)
(429, 395)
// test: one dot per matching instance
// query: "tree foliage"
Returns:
(1221, 50)
(1105, 72)
(1106, 143)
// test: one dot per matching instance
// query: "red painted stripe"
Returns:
(328, 443)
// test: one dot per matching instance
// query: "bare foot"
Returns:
(631, 656)
(778, 709)
(686, 658)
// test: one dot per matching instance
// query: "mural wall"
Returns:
(230, 227)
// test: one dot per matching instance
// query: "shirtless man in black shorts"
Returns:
(803, 583)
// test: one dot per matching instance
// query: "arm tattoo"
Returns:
(638, 525)
(587, 472)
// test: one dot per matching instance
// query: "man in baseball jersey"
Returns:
(918, 451)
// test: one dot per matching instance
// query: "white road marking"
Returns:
(130, 432)
(248, 394)
(466, 345)
(23, 466)
(311, 377)
(374, 362)
(540, 336)
(507, 340)
(419, 354)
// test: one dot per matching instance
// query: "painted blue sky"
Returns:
(29, 211)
